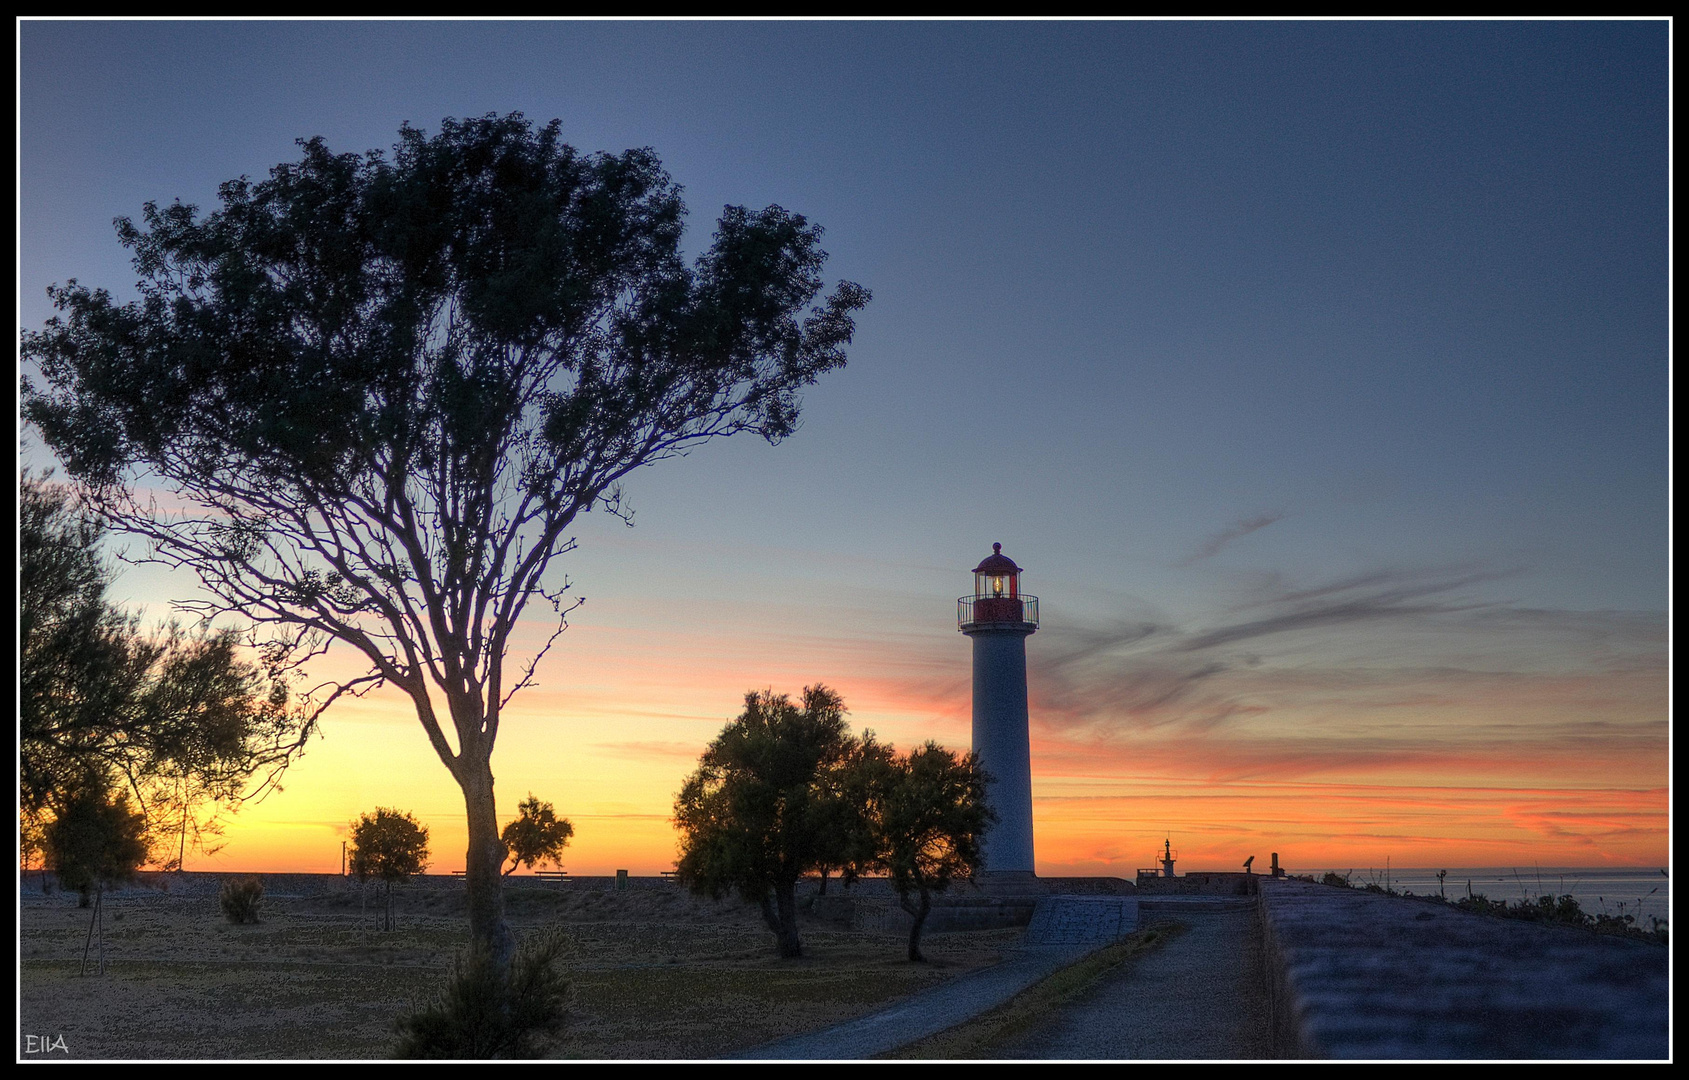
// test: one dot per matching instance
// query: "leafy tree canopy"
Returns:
(96, 839)
(755, 816)
(388, 845)
(177, 719)
(537, 835)
(931, 815)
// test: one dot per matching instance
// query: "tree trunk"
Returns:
(780, 912)
(483, 882)
(182, 846)
(822, 891)
(182, 849)
(87, 943)
(769, 915)
(387, 911)
(100, 917)
(920, 911)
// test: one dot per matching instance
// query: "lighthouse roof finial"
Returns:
(997, 563)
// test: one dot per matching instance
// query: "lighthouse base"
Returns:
(871, 904)
(1008, 883)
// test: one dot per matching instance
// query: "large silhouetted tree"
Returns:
(366, 398)
(758, 814)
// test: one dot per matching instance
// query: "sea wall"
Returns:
(1353, 974)
(197, 883)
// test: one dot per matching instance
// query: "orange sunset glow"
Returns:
(1327, 764)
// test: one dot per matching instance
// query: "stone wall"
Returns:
(198, 883)
(1200, 883)
(872, 904)
(1088, 886)
(1353, 974)
(887, 914)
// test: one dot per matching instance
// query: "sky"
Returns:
(1316, 373)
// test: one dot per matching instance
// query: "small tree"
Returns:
(537, 835)
(95, 841)
(931, 815)
(181, 721)
(754, 817)
(848, 810)
(388, 846)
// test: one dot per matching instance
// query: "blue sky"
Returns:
(1318, 347)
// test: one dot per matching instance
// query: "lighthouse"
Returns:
(999, 618)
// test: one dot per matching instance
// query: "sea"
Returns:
(1643, 891)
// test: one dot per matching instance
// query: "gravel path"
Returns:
(1064, 930)
(924, 1013)
(1199, 995)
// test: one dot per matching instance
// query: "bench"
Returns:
(552, 875)
(668, 875)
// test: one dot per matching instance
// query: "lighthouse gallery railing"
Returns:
(990, 609)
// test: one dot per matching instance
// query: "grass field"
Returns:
(655, 972)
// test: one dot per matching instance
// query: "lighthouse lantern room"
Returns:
(997, 597)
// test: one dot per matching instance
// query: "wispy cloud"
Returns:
(651, 750)
(1372, 597)
(1413, 649)
(1234, 532)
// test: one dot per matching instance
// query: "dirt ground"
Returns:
(655, 972)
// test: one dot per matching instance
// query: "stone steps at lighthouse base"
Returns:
(1082, 920)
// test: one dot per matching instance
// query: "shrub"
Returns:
(1332, 877)
(240, 899)
(477, 1016)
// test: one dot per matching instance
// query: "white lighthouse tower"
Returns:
(999, 619)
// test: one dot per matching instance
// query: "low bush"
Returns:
(477, 1015)
(1563, 910)
(241, 898)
